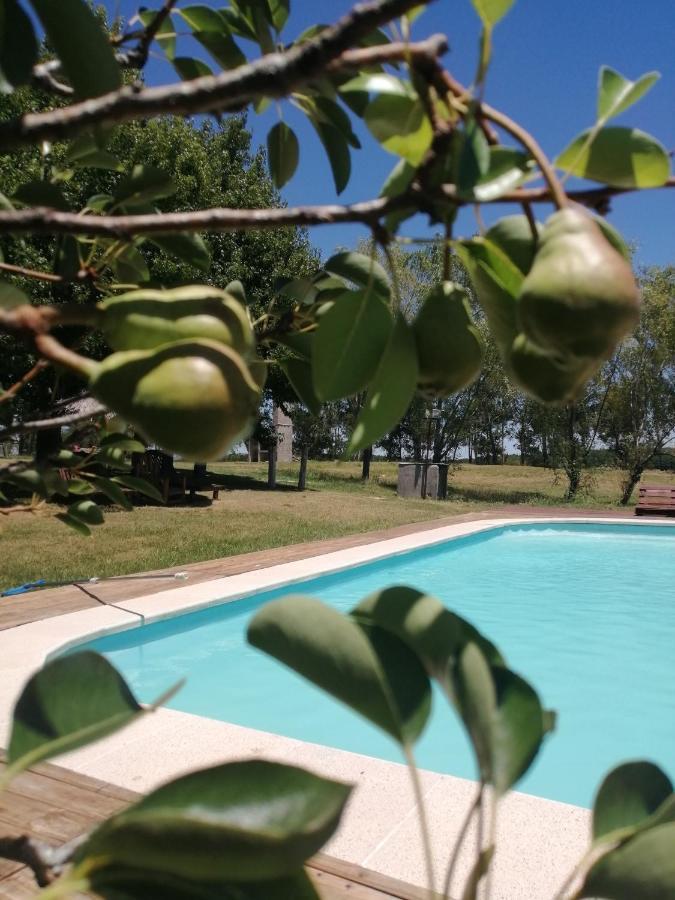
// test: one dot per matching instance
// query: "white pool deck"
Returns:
(538, 841)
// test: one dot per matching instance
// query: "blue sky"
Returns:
(544, 73)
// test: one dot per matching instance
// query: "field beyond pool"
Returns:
(248, 516)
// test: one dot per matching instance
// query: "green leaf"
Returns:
(99, 159)
(18, 46)
(76, 524)
(369, 670)
(279, 10)
(390, 391)
(166, 35)
(190, 248)
(188, 68)
(116, 883)
(283, 152)
(628, 796)
(72, 701)
(143, 184)
(130, 266)
(140, 485)
(242, 821)
(11, 296)
(364, 271)
(210, 28)
(348, 344)
(620, 157)
(434, 633)
(474, 158)
(41, 193)
(507, 169)
(299, 374)
(491, 11)
(81, 44)
(236, 289)
(642, 868)
(616, 93)
(329, 111)
(502, 715)
(378, 83)
(496, 281)
(337, 150)
(86, 511)
(79, 487)
(400, 125)
(121, 442)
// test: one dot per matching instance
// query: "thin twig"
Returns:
(49, 348)
(273, 75)
(475, 804)
(139, 56)
(23, 381)
(55, 422)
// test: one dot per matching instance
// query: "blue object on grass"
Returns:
(23, 588)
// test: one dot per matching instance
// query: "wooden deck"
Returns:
(55, 805)
(44, 604)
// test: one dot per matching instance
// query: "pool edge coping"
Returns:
(25, 648)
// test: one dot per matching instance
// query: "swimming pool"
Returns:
(584, 612)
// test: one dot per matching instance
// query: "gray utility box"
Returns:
(411, 480)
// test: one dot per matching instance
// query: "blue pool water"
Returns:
(585, 612)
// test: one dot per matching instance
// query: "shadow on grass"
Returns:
(246, 483)
(499, 495)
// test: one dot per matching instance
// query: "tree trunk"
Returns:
(272, 467)
(628, 484)
(302, 477)
(47, 443)
(544, 450)
(366, 457)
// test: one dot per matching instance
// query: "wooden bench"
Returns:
(656, 499)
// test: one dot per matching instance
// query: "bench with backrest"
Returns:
(656, 499)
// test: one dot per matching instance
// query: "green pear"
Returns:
(513, 235)
(195, 398)
(144, 319)
(546, 378)
(449, 346)
(580, 297)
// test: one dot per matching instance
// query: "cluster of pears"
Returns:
(575, 299)
(183, 372)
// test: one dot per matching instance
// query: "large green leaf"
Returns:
(378, 83)
(399, 123)
(337, 149)
(616, 93)
(81, 44)
(112, 491)
(491, 11)
(188, 68)
(507, 169)
(18, 46)
(279, 11)
(620, 157)
(72, 701)
(390, 391)
(86, 511)
(474, 158)
(349, 343)
(502, 715)
(364, 271)
(434, 633)
(628, 796)
(242, 821)
(116, 883)
(299, 373)
(372, 672)
(190, 248)
(283, 153)
(140, 485)
(41, 193)
(642, 868)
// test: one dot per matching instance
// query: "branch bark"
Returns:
(273, 75)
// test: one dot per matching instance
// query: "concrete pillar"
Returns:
(284, 429)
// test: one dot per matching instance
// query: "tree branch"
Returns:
(273, 75)
(43, 859)
(44, 220)
(54, 422)
(23, 381)
(139, 55)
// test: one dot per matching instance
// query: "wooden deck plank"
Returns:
(38, 605)
(56, 805)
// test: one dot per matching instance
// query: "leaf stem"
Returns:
(461, 837)
(424, 823)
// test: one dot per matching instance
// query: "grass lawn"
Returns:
(249, 517)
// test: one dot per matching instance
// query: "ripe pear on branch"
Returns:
(195, 398)
(449, 346)
(144, 319)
